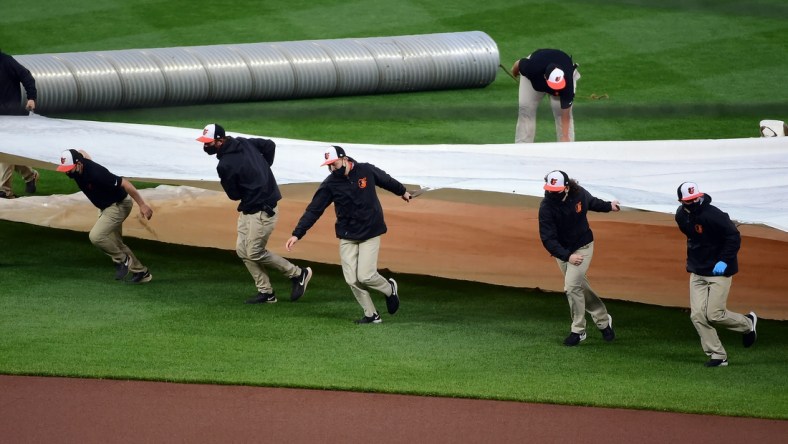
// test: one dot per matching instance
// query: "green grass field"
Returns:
(671, 69)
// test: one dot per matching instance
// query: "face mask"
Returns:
(339, 172)
(553, 195)
(210, 149)
(693, 206)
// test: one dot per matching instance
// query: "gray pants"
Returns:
(107, 234)
(254, 230)
(708, 300)
(528, 101)
(582, 299)
(360, 268)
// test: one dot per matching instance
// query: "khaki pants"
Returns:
(253, 233)
(7, 175)
(582, 299)
(708, 299)
(528, 101)
(107, 234)
(360, 268)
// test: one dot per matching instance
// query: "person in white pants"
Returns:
(545, 71)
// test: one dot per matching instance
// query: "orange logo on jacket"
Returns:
(579, 207)
(362, 183)
(699, 228)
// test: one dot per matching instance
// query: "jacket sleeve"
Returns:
(596, 204)
(229, 183)
(731, 236)
(26, 79)
(549, 235)
(267, 148)
(388, 183)
(320, 201)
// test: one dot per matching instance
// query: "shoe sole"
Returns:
(394, 295)
(147, 278)
(753, 331)
(376, 321)
(723, 364)
(261, 302)
(306, 282)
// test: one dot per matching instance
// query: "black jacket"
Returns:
(711, 237)
(100, 186)
(245, 173)
(563, 225)
(12, 73)
(356, 203)
(533, 68)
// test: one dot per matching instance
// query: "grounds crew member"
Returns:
(244, 170)
(12, 73)
(351, 187)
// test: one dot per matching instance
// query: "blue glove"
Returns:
(719, 268)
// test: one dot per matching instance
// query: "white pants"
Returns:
(528, 101)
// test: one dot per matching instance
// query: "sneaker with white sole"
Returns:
(716, 363)
(374, 319)
(392, 301)
(262, 298)
(141, 277)
(750, 337)
(574, 339)
(299, 283)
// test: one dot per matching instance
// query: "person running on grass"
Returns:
(351, 187)
(245, 174)
(112, 195)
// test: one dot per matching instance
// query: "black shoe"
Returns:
(392, 302)
(141, 277)
(122, 268)
(3, 195)
(608, 334)
(299, 283)
(716, 363)
(374, 319)
(574, 339)
(262, 298)
(30, 187)
(749, 338)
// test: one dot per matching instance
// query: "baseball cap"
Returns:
(68, 160)
(688, 191)
(212, 132)
(556, 181)
(555, 78)
(333, 153)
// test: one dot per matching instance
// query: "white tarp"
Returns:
(747, 178)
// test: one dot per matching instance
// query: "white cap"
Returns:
(688, 191)
(68, 160)
(332, 154)
(211, 133)
(556, 79)
(556, 181)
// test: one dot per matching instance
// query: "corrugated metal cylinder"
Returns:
(261, 71)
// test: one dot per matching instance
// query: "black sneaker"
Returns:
(141, 277)
(716, 363)
(262, 298)
(392, 302)
(574, 339)
(30, 187)
(299, 283)
(608, 334)
(374, 319)
(3, 195)
(749, 338)
(122, 268)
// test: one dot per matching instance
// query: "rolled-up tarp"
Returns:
(261, 71)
